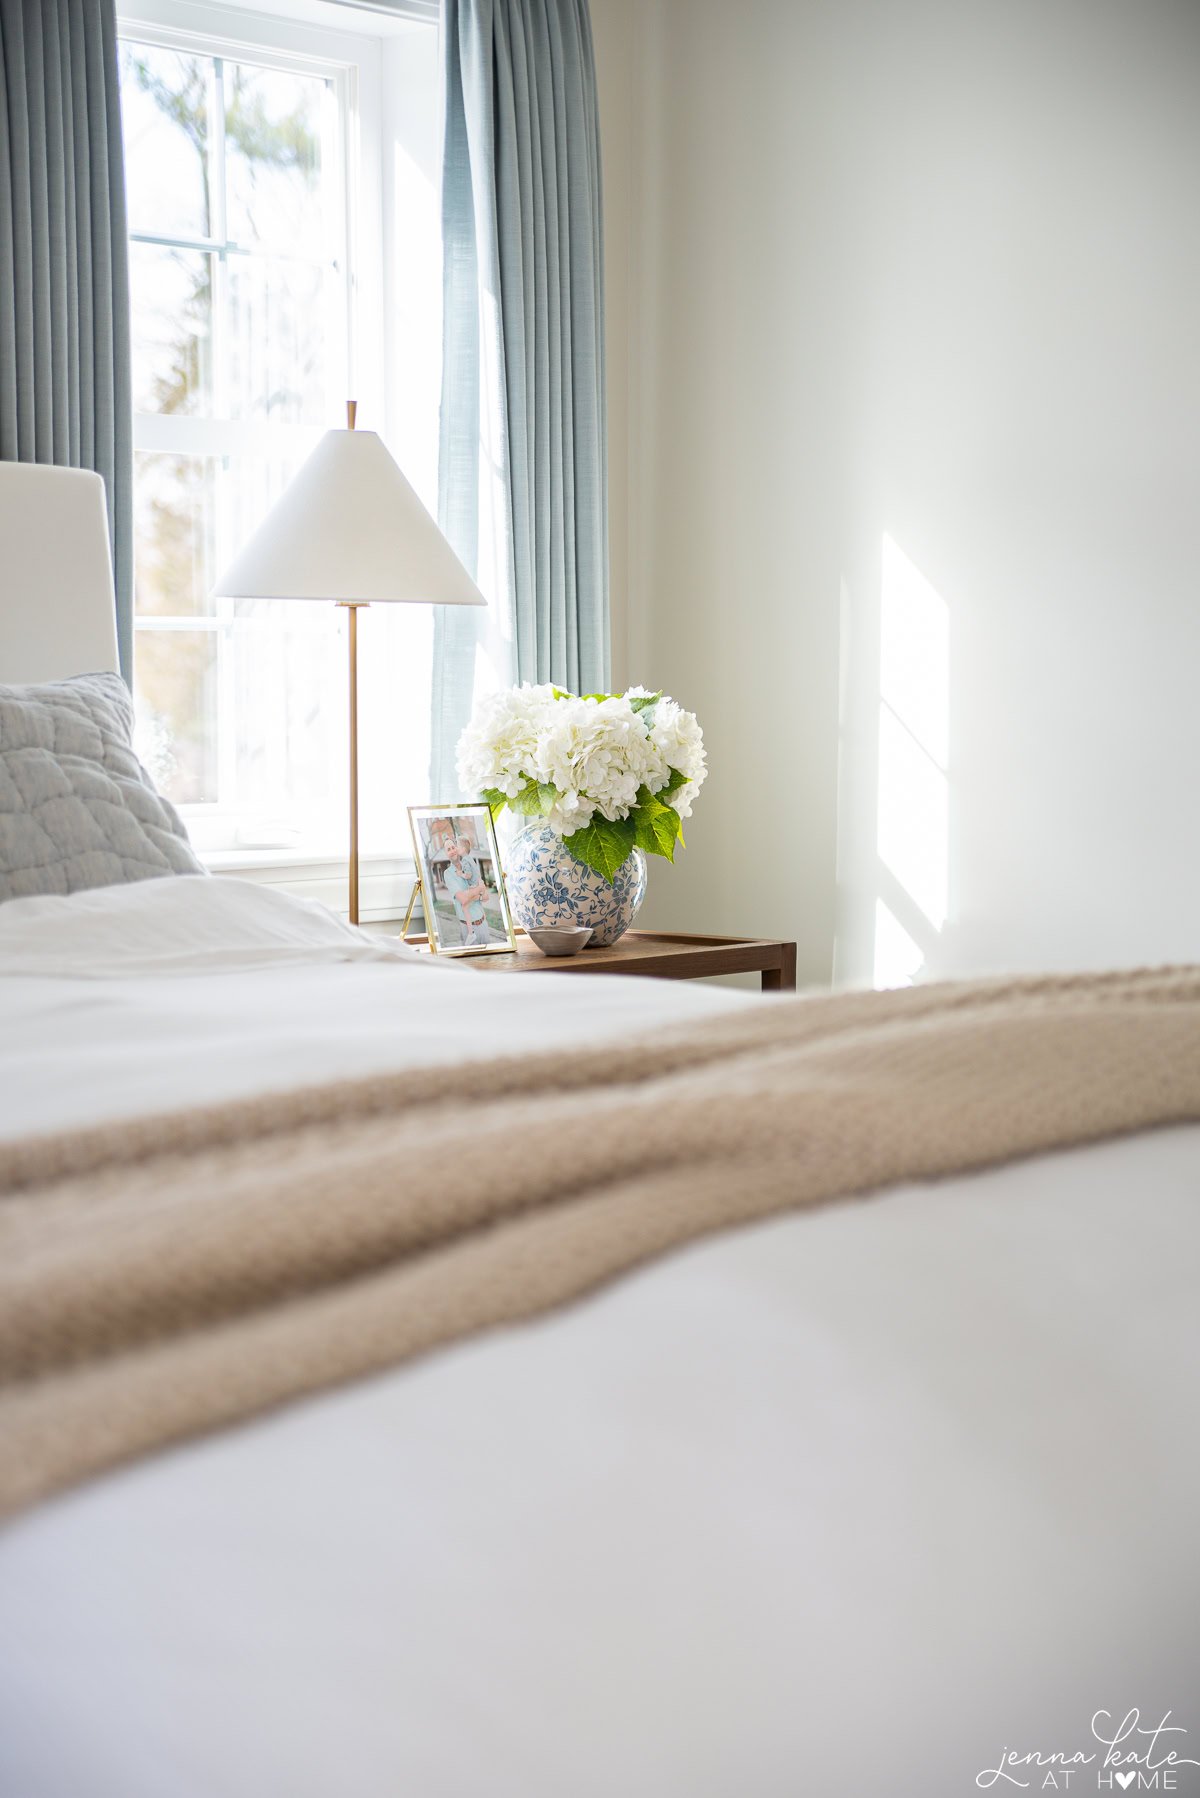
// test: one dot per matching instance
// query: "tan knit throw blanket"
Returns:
(164, 1277)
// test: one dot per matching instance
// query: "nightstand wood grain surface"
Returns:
(658, 956)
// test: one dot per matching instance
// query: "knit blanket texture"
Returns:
(176, 1274)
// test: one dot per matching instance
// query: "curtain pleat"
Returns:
(523, 489)
(64, 275)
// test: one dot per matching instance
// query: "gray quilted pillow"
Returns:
(77, 809)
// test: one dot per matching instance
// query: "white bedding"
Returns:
(847, 1503)
(176, 992)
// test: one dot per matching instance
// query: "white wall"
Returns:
(925, 270)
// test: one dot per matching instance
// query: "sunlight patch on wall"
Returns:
(898, 960)
(913, 824)
(912, 818)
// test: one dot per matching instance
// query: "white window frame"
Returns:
(214, 822)
(337, 40)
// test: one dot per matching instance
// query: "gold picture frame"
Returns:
(470, 919)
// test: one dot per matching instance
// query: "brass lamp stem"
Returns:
(353, 607)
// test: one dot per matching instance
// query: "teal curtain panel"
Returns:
(523, 485)
(64, 278)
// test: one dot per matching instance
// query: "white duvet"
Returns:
(175, 992)
(854, 1502)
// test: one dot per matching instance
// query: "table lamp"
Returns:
(350, 530)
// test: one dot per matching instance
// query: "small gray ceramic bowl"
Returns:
(559, 939)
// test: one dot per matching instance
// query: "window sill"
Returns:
(385, 881)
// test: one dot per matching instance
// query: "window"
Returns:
(253, 168)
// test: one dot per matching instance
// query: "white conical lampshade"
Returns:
(350, 527)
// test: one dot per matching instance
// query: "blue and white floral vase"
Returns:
(547, 885)
(601, 778)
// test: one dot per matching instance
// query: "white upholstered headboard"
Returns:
(57, 609)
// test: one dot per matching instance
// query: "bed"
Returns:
(858, 1499)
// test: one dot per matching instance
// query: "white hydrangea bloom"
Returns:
(570, 812)
(681, 799)
(596, 753)
(499, 747)
(678, 738)
(600, 750)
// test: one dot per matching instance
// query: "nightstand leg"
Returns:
(783, 978)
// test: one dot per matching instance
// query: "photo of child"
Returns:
(461, 886)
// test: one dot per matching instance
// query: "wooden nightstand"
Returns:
(661, 957)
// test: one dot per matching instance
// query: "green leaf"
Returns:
(603, 846)
(655, 825)
(534, 801)
(493, 797)
(645, 700)
(673, 785)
